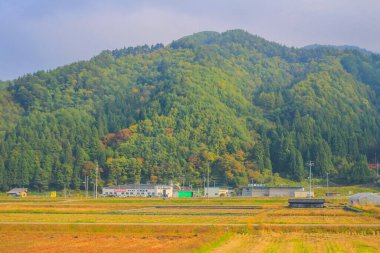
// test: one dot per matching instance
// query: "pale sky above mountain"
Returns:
(44, 34)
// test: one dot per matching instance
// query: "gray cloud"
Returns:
(45, 34)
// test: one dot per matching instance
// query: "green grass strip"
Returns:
(213, 245)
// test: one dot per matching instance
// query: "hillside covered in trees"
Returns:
(231, 103)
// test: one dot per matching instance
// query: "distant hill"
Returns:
(343, 47)
(230, 103)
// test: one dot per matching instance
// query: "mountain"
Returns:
(231, 103)
(344, 47)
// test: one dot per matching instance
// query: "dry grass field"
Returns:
(300, 242)
(184, 225)
(108, 242)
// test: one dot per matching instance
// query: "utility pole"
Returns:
(96, 181)
(204, 186)
(310, 163)
(327, 181)
(64, 189)
(208, 179)
(86, 185)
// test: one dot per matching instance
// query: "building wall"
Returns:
(302, 194)
(283, 191)
(129, 192)
(365, 199)
(212, 192)
(255, 192)
(144, 191)
(270, 191)
(163, 191)
(216, 192)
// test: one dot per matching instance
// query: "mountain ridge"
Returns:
(232, 103)
(341, 47)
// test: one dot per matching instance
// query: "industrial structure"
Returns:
(274, 191)
(138, 190)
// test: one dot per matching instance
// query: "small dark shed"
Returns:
(18, 192)
(306, 203)
(332, 194)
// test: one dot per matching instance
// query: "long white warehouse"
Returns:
(138, 190)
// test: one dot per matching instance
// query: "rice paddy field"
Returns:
(184, 225)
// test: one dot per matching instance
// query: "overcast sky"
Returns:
(44, 34)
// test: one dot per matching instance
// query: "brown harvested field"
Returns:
(312, 212)
(74, 206)
(320, 220)
(103, 238)
(117, 238)
(125, 212)
(300, 242)
(74, 242)
(151, 225)
(373, 210)
(104, 209)
(178, 218)
(123, 218)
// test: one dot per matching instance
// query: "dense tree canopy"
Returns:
(232, 104)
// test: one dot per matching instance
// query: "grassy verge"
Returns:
(215, 244)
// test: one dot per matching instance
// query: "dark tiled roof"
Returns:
(274, 187)
(306, 201)
(135, 186)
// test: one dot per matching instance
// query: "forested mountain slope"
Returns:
(231, 103)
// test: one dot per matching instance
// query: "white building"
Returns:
(365, 198)
(274, 191)
(138, 190)
(214, 192)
